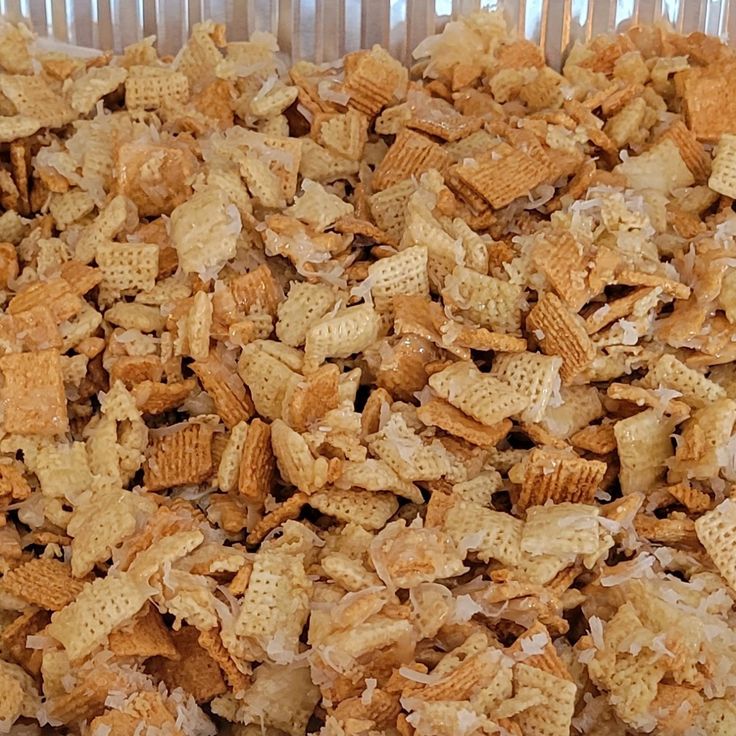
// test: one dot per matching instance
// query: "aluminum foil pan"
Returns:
(323, 30)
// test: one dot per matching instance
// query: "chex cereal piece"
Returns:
(257, 290)
(193, 669)
(18, 695)
(695, 388)
(481, 396)
(503, 174)
(691, 150)
(723, 177)
(563, 333)
(617, 309)
(127, 268)
(439, 118)
(343, 133)
(644, 446)
(145, 636)
(388, 207)
(179, 458)
(495, 535)
(441, 414)
(564, 261)
(715, 532)
(596, 438)
(94, 85)
(374, 80)
(256, 462)
(365, 508)
(276, 602)
(33, 98)
(305, 305)
(404, 273)
(532, 375)
(99, 609)
(410, 155)
(149, 87)
(268, 379)
(158, 189)
(350, 331)
(232, 402)
(33, 395)
(547, 659)
(553, 717)
(307, 401)
(708, 101)
(691, 498)
(44, 583)
(288, 510)
(55, 294)
(558, 475)
(211, 642)
(639, 278)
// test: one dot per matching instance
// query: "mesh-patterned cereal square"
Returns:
(149, 88)
(563, 333)
(127, 268)
(388, 207)
(231, 399)
(256, 462)
(716, 532)
(559, 475)
(696, 389)
(532, 375)
(374, 80)
(403, 273)
(552, 717)
(180, 458)
(410, 155)
(481, 396)
(33, 395)
(364, 508)
(55, 294)
(345, 134)
(708, 99)
(441, 414)
(305, 305)
(564, 261)
(34, 98)
(44, 583)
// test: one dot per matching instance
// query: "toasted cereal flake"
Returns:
(208, 217)
(481, 396)
(723, 178)
(32, 97)
(150, 87)
(374, 81)
(559, 475)
(127, 269)
(44, 583)
(349, 331)
(256, 462)
(695, 388)
(554, 715)
(441, 414)
(715, 532)
(100, 608)
(644, 446)
(367, 509)
(410, 155)
(564, 335)
(707, 100)
(32, 396)
(179, 458)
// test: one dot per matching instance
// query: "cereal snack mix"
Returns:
(358, 400)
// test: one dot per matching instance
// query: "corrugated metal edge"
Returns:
(323, 30)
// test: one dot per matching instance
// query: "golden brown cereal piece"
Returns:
(548, 660)
(127, 268)
(597, 438)
(520, 54)
(211, 642)
(563, 333)
(307, 401)
(44, 583)
(194, 670)
(182, 457)
(154, 397)
(691, 150)
(12, 483)
(257, 291)
(226, 390)
(14, 639)
(715, 530)
(350, 225)
(145, 636)
(33, 395)
(55, 294)
(553, 716)
(80, 278)
(30, 330)
(438, 413)
(541, 436)
(256, 462)
(86, 698)
(155, 177)
(708, 100)
(691, 498)
(239, 583)
(668, 286)
(439, 118)
(289, 509)
(373, 79)
(410, 155)
(559, 475)
(617, 309)
(132, 369)
(565, 263)
(501, 176)
(671, 531)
